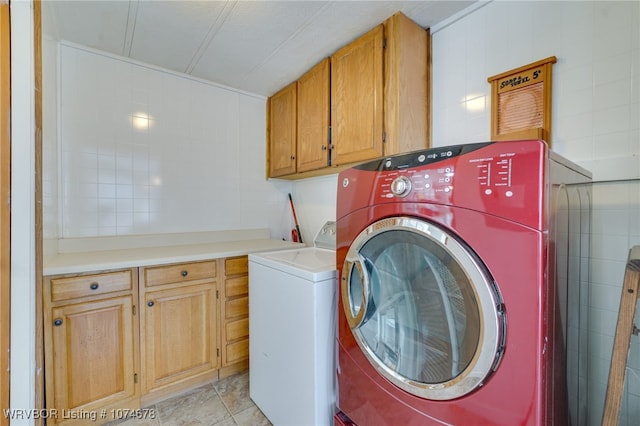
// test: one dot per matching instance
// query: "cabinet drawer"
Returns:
(237, 286)
(237, 351)
(236, 307)
(236, 265)
(90, 285)
(159, 275)
(237, 329)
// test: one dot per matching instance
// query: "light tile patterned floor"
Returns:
(222, 403)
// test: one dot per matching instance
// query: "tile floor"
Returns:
(222, 403)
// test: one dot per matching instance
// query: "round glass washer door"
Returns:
(423, 308)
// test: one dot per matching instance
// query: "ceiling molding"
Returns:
(131, 27)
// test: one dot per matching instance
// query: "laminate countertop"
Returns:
(89, 260)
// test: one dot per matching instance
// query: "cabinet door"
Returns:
(93, 353)
(407, 60)
(356, 99)
(179, 334)
(313, 118)
(282, 132)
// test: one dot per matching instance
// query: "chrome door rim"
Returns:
(492, 318)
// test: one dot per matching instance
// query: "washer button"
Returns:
(401, 186)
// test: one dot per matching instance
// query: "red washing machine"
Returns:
(461, 270)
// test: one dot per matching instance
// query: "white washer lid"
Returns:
(310, 263)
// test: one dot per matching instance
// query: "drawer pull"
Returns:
(57, 322)
(94, 286)
(184, 273)
(150, 303)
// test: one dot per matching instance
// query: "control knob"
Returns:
(401, 186)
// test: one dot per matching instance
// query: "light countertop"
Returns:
(100, 260)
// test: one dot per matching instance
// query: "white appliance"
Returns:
(292, 329)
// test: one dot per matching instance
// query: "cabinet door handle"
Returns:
(293, 158)
(150, 303)
(94, 286)
(57, 322)
(184, 273)
(324, 147)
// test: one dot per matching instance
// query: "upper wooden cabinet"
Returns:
(299, 124)
(282, 131)
(407, 86)
(356, 91)
(379, 103)
(313, 118)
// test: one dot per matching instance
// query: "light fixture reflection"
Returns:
(474, 102)
(141, 121)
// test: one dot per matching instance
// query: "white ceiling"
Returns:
(256, 46)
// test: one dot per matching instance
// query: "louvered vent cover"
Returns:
(520, 109)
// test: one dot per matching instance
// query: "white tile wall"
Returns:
(615, 228)
(315, 203)
(203, 139)
(144, 151)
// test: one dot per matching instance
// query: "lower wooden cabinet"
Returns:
(90, 331)
(178, 328)
(235, 315)
(119, 340)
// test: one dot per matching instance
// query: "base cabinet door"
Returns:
(90, 331)
(179, 334)
(92, 347)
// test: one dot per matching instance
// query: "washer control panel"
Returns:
(402, 183)
(495, 173)
(437, 174)
(505, 179)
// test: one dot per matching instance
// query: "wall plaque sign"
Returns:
(521, 102)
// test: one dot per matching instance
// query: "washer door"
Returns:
(422, 307)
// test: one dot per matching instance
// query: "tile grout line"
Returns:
(215, 388)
